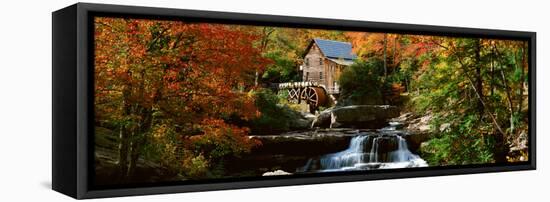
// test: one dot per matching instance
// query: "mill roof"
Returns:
(334, 49)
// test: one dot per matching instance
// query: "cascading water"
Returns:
(386, 149)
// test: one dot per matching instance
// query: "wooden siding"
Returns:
(311, 67)
(325, 74)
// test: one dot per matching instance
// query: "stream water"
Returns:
(383, 150)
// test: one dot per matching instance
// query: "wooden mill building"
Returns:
(324, 61)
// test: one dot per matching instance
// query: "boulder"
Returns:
(356, 116)
(420, 124)
(323, 119)
(301, 123)
(415, 139)
(417, 129)
(277, 172)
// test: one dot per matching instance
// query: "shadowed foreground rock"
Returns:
(289, 151)
(315, 142)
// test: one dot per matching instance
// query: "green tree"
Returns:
(458, 85)
(361, 83)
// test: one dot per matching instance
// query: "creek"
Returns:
(383, 149)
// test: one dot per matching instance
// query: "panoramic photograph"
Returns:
(179, 101)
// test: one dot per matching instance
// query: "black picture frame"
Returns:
(72, 98)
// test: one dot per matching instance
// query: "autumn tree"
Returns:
(475, 89)
(191, 75)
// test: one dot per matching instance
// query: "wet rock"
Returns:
(417, 128)
(289, 151)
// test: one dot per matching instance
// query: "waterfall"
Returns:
(351, 156)
(366, 152)
(373, 154)
(402, 153)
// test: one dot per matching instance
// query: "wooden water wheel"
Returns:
(294, 95)
(314, 97)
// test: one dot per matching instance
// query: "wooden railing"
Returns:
(333, 90)
(303, 84)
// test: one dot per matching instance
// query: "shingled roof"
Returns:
(334, 49)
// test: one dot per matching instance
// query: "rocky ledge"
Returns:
(416, 128)
(289, 151)
(312, 142)
(356, 116)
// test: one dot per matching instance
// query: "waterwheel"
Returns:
(314, 97)
(294, 95)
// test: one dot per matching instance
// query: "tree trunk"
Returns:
(394, 57)
(264, 42)
(479, 94)
(134, 156)
(124, 137)
(507, 91)
(256, 77)
(492, 87)
(479, 81)
(139, 133)
(123, 148)
(523, 66)
(384, 58)
(139, 140)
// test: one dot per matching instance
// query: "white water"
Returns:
(367, 152)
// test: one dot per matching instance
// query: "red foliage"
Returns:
(191, 72)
